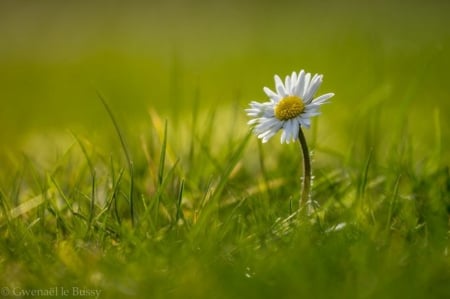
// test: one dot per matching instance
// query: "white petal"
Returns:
(273, 125)
(293, 83)
(305, 85)
(266, 136)
(289, 128)
(285, 134)
(267, 124)
(310, 114)
(283, 137)
(312, 106)
(279, 85)
(269, 113)
(287, 84)
(261, 109)
(299, 86)
(322, 99)
(314, 85)
(296, 128)
(305, 122)
(271, 94)
(310, 111)
(252, 110)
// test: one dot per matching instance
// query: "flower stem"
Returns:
(306, 187)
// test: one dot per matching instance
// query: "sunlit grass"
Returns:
(212, 216)
(164, 193)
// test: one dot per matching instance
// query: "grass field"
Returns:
(161, 191)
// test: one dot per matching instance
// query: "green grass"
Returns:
(128, 168)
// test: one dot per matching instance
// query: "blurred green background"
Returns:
(386, 61)
(385, 58)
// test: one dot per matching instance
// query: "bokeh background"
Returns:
(381, 151)
(387, 61)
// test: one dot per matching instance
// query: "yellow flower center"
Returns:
(289, 107)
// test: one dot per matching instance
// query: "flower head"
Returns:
(290, 107)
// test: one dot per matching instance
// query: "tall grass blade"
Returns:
(392, 203)
(93, 177)
(5, 206)
(162, 162)
(179, 200)
(365, 175)
(126, 152)
(216, 189)
(162, 159)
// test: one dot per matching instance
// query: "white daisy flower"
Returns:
(290, 107)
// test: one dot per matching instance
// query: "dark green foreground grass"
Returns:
(212, 218)
(201, 209)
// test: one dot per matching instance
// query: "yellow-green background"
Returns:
(389, 56)
(88, 218)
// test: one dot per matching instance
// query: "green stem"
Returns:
(306, 187)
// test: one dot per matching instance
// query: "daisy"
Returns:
(290, 107)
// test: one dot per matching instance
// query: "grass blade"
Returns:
(93, 177)
(162, 159)
(179, 199)
(126, 152)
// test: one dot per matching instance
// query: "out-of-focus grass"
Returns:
(54, 55)
(212, 207)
